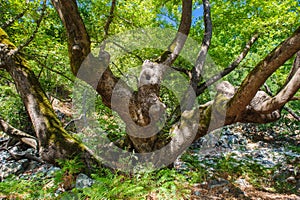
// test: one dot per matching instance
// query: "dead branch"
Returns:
(18, 134)
(201, 88)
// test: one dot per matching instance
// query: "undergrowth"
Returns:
(160, 184)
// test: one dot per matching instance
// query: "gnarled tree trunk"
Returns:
(247, 104)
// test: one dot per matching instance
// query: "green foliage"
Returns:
(165, 184)
(12, 108)
(72, 166)
(235, 22)
(15, 188)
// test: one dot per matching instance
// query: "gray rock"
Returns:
(51, 171)
(242, 183)
(4, 155)
(83, 181)
(197, 193)
(13, 167)
(217, 183)
(291, 179)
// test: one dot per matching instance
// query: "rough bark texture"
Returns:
(257, 77)
(78, 39)
(142, 110)
(53, 141)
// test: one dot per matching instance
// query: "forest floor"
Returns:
(271, 149)
(243, 161)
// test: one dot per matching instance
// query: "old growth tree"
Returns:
(252, 41)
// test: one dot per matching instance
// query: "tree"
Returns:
(247, 103)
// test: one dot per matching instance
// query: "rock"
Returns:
(242, 183)
(32, 165)
(51, 171)
(83, 181)
(197, 193)
(12, 167)
(59, 191)
(220, 182)
(291, 179)
(4, 155)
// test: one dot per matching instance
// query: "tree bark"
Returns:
(53, 141)
(257, 77)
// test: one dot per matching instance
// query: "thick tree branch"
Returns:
(95, 71)
(269, 92)
(296, 66)
(174, 49)
(53, 141)
(261, 72)
(278, 101)
(201, 88)
(198, 68)
(78, 38)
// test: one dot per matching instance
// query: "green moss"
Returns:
(4, 39)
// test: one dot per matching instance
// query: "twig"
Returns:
(48, 68)
(119, 70)
(12, 20)
(127, 51)
(110, 18)
(185, 71)
(38, 24)
(229, 69)
(297, 117)
(73, 121)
